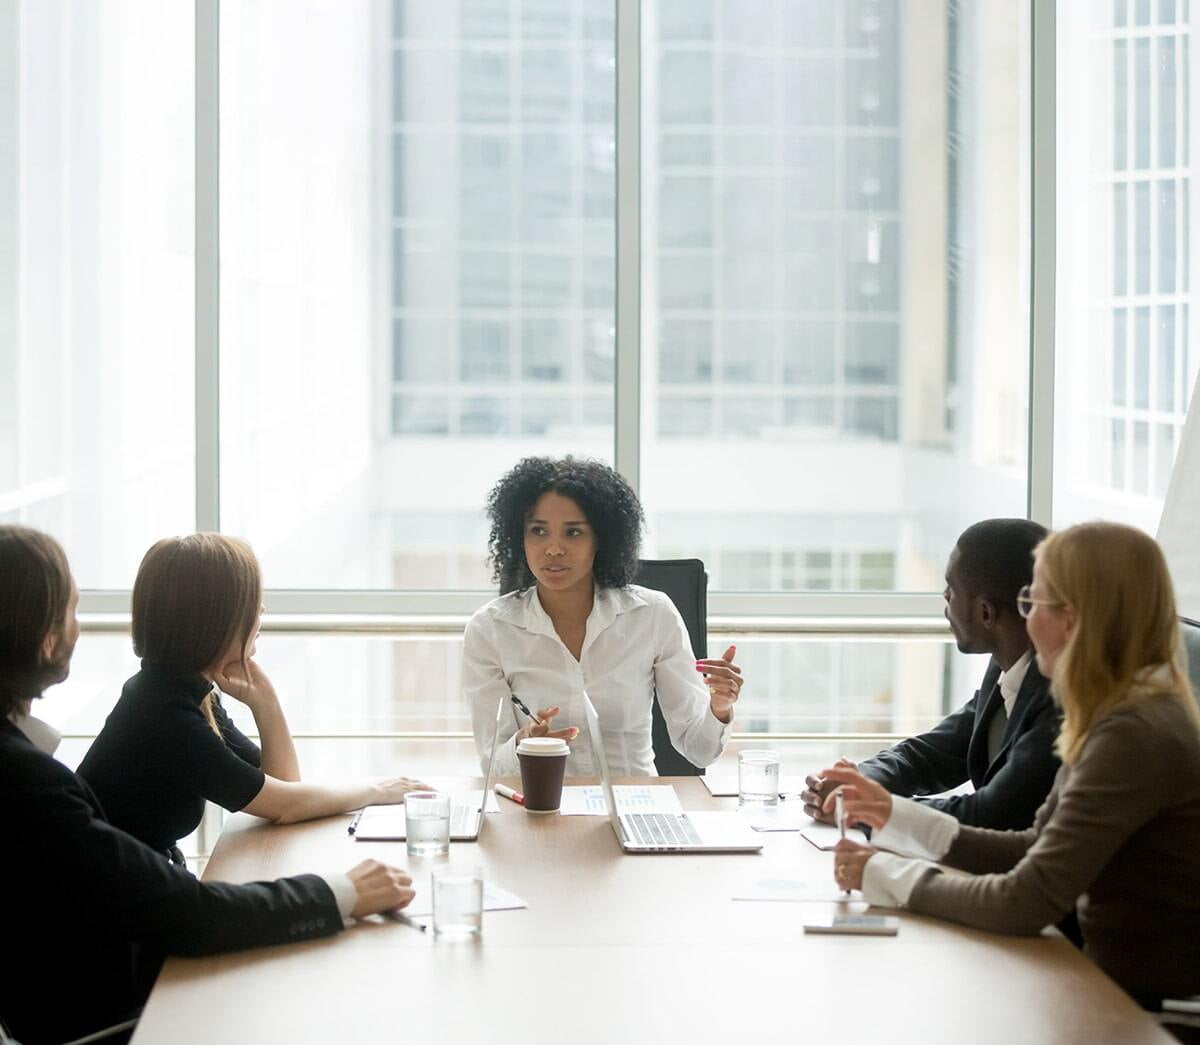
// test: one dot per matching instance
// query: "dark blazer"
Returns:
(93, 911)
(1009, 789)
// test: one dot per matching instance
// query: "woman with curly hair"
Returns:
(564, 547)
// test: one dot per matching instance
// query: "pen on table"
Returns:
(521, 704)
(510, 794)
(404, 919)
(354, 823)
(839, 806)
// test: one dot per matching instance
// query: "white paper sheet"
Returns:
(826, 836)
(631, 798)
(727, 787)
(494, 899)
(382, 823)
(824, 890)
(787, 816)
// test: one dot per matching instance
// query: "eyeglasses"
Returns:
(1026, 602)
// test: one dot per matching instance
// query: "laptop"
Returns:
(387, 823)
(667, 832)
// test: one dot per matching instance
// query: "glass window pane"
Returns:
(97, 316)
(1120, 95)
(1124, 253)
(417, 273)
(1165, 360)
(1119, 357)
(1168, 251)
(848, 311)
(1166, 99)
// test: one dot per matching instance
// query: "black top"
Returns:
(157, 759)
(1008, 788)
(94, 911)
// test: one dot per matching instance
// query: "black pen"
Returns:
(404, 919)
(521, 704)
(354, 823)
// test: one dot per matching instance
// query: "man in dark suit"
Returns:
(1002, 739)
(89, 911)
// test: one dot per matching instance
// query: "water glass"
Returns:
(457, 901)
(758, 778)
(427, 823)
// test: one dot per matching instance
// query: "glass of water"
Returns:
(758, 778)
(427, 823)
(457, 901)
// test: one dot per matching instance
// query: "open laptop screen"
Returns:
(610, 799)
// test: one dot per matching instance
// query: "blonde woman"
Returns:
(1118, 838)
(168, 745)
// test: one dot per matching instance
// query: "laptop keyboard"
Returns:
(661, 829)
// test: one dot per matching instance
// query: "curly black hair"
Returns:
(608, 501)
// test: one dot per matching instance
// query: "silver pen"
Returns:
(839, 806)
(404, 919)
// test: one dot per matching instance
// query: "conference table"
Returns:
(615, 947)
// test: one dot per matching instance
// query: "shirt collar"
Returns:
(525, 610)
(41, 735)
(1010, 680)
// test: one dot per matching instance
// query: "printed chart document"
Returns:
(727, 786)
(494, 899)
(825, 836)
(631, 798)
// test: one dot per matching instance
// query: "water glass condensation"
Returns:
(457, 901)
(758, 778)
(427, 823)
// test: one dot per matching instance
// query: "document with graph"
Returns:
(631, 798)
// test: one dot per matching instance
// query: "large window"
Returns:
(96, 276)
(835, 320)
(417, 229)
(1125, 355)
(417, 276)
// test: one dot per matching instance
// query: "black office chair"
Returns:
(1190, 631)
(119, 1032)
(686, 583)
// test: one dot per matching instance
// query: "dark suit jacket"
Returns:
(1009, 789)
(91, 911)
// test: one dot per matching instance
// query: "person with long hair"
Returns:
(88, 908)
(168, 745)
(1118, 838)
(564, 544)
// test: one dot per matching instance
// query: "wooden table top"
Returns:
(616, 948)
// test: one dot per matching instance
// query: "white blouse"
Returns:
(635, 643)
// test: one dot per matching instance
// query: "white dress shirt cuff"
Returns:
(721, 731)
(888, 880)
(344, 894)
(917, 830)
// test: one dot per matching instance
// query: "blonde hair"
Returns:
(1116, 580)
(193, 597)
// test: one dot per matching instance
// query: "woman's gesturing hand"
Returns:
(542, 728)
(724, 681)
(866, 802)
(380, 888)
